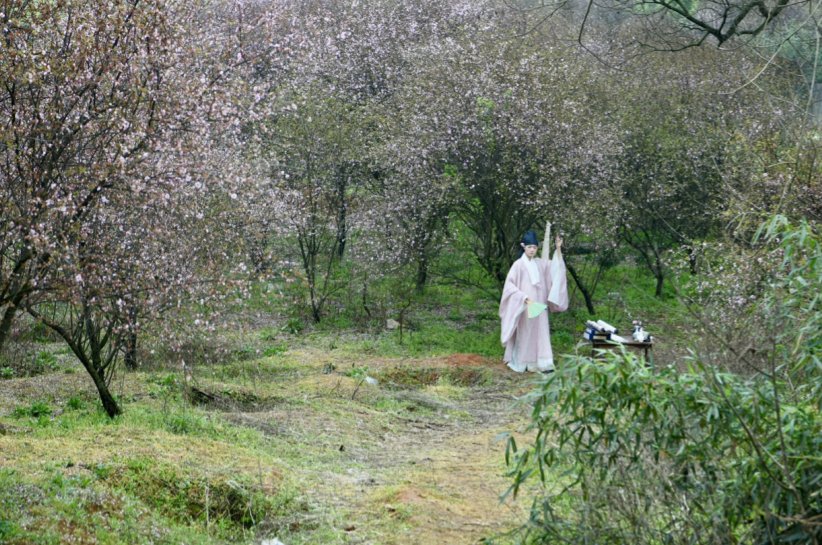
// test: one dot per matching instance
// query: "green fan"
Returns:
(535, 309)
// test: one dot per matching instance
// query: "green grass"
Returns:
(453, 319)
(430, 340)
(143, 476)
(132, 498)
(226, 504)
(177, 420)
(448, 318)
(61, 508)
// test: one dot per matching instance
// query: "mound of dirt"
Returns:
(410, 495)
(471, 360)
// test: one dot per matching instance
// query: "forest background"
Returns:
(190, 189)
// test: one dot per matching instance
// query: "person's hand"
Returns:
(558, 242)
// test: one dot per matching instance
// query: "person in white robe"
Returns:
(532, 280)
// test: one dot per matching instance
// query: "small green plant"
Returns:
(7, 530)
(102, 471)
(294, 326)
(6, 373)
(244, 353)
(75, 403)
(357, 372)
(44, 362)
(275, 350)
(166, 386)
(269, 335)
(360, 374)
(35, 410)
(185, 423)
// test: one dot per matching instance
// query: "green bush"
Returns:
(7, 530)
(35, 410)
(43, 362)
(294, 326)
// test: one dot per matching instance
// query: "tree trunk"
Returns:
(18, 287)
(365, 298)
(130, 348)
(308, 252)
(130, 352)
(659, 273)
(316, 302)
(109, 403)
(342, 211)
(651, 255)
(660, 279)
(96, 373)
(6, 322)
(422, 273)
(693, 259)
(589, 301)
(342, 231)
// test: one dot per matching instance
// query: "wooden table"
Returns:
(645, 348)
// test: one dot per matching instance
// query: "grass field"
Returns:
(309, 435)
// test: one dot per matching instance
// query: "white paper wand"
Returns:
(546, 243)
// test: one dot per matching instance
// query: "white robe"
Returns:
(527, 341)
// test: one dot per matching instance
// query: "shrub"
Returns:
(44, 362)
(21, 359)
(35, 410)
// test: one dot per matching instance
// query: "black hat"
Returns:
(530, 238)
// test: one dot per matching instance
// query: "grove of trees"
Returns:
(159, 159)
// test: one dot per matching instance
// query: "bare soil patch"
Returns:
(470, 360)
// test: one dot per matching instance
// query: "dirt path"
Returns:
(434, 472)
